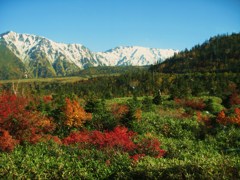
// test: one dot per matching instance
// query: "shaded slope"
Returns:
(10, 66)
(218, 54)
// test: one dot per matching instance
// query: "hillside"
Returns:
(218, 54)
(108, 70)
(10, 65)
(42, 57)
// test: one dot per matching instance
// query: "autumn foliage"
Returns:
(222, 118)
(76, 116)
(205, 119)
(119, 111)
(151, 147)
(194, 104)
(18, 124)
(120, 138)
(47, 99)
(234, 99)
(7, 143)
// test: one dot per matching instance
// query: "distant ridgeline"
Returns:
(32, 56)
(218, 54)
(212, 68)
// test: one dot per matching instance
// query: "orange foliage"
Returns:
(7, 143)
(45, 124)
(76, 116)
(30, 126)
(234, 99)
(119, 111)
(192, 103)
(22, 124)
(47, 99)
(138, 114)
(235, 119)
(49, 137)
(205, 119)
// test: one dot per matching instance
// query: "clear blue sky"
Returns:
(104, 24)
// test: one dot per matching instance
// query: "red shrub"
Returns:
(22, 124)
(194, 104)
(136, 157)
(221, 118)
(237, 116)
(225, 120)
(178, 101)
(203, 118)
(151, 147)
(49, 137)
(120, 138)
(47, 99)
(10, 105)
(77, 137)
(234, 99)
(119, 111)
(108, 162)
(7, 143)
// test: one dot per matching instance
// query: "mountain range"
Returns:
(25, 55)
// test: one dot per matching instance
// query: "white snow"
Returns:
(23, 45)
(135, 55)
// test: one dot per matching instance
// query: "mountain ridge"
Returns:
(217, 54)
(43, 57)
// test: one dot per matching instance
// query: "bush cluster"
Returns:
(59, 137)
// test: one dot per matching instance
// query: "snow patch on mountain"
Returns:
(25, 45)
(134, 55)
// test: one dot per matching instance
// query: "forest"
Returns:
(176, 120)
(218, 54)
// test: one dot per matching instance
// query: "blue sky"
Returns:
(104, 24)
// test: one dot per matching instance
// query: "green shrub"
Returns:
(102, 121)
(214, 167)
(93, 105)
(214, 106)
(51, 161)
(212, 98)
(147, 104)
(227, 138)
(130, 117)
(157, 99)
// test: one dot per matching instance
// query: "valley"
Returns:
(178, 119)
(37, 56)
(119, 89)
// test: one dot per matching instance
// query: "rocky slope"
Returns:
(45, 58)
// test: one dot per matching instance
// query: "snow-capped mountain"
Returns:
(134, 55)
(43, 56)
(24, 45)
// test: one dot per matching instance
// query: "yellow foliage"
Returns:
(138, 114)
(76, 116)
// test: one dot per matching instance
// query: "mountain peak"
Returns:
(134, 55)
(32, 48)
(6, 33)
